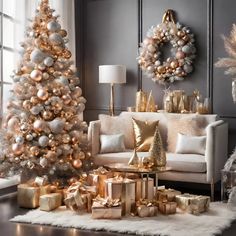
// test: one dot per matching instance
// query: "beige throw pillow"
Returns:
(194, 126)
(191, 144)
(112, 143)
(118, 125)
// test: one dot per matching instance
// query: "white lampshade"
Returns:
(112, 74)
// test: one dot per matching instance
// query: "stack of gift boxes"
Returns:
(108, 195)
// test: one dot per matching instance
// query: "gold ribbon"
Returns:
(107, 202)
(78, 194)
(168, 16)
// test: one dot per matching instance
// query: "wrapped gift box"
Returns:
(194, 204)
(124, 189)
(144, 189)
(76, 199)
(28, 196)
(97, 178)
(167, 208)
(147, 211)
(50, 202)
(106, 208)
(167, 194)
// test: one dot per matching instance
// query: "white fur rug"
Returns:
(214, 221)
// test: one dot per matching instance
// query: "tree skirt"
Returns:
(214, 221)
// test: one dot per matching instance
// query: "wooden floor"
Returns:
(9, 209)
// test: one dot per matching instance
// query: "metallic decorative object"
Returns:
(134, 160)
(234, 90)
(141, 101)
(112, 74)
(176, 67)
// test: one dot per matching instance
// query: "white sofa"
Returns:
(184, 167)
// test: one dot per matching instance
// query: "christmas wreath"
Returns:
(183, 51)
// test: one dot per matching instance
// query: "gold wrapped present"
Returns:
(46, 189)
(77, 199)
(97, 178)
(167, 194)
(124, 189)
(194, 204)
(167, 208)
(28, 196)
(41, 181)
(106, 208)
(50, 202)
(146, 208)
(147, 211)
(144, 189)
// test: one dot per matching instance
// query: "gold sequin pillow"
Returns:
(143, 134)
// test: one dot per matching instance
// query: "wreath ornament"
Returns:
(176, 67)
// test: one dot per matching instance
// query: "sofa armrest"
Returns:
(94, 135)
(216, 149)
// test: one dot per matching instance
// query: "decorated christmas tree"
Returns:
(43, 130)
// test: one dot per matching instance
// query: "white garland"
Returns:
(183, 51)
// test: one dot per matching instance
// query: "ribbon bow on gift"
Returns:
(77, 195)
(107, 202)
(101, 170)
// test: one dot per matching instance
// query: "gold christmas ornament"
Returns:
(42, 94)
(36, 75)
(34, 151)
(47, 115)
(77, 163)
(39, 125)
(17, 148)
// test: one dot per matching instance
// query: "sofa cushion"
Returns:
(112, 143)
(145, 116)
(187, 144)
(118, 125)
(177, 162)
(144, 134)
(194, 125)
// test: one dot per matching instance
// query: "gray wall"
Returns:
(109, 32)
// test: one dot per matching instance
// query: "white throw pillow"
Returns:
(112, 143)
(187, 144)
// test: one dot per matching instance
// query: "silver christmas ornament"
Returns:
(36, 109)
(43, 141)
(37, 56)
(56, 126)
(20, 139)
(63, 80)
(53, 26)
(56, 39)
(48, 61)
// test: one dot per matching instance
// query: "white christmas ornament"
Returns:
(53, 26)
(63, 80)
(36, 109)
(56, 39)
(13, 123)
(56, 126)
(19, 139)
(43, 141)
(37, 56)
(48, 61)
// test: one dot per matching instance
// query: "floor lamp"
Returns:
(112, 74)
